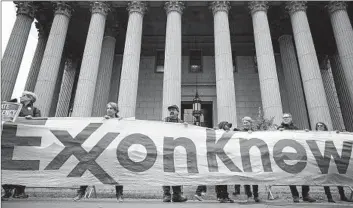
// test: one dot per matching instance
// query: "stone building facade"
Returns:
(292, 57)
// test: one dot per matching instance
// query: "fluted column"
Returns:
(11, 61)
(343, 32)
(89, 68)
(293, 82)
(101, 94)
(226, 105)
(50, 65)
(58, 82)
(37, 58)
(309, 67)
(115, 81)
(67, 83)
(270, 93)
(172, 61)
(131, 60)
(342, 91)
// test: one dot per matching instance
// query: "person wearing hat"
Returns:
(177, 195)
(222, 190)
(28, 111)
(247, 126)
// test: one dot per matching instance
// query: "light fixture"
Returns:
(196, 107)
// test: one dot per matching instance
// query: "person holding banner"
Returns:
(28, 111)
(287, 124)
(320, 126)
(177, 195)
(112, 112)
(247, 126)
(221, 190)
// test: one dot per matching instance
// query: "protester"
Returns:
(200, 192)
(320, 126)
(221, 190)
(287, 124)
(28, 111)
(247, 126)
(177, 195)
(112, 112)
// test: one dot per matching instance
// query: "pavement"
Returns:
(145, 203)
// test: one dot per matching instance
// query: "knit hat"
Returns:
(34, 96)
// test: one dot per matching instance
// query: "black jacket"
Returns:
(290, 126)
(28, 110)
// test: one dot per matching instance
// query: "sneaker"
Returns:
(257, 200)
(79, 196)
(330, 200)
(309, 199)
(21, 196)
(296, 199)
(179, 198)
(120, 198)
(203, 193)
(6, 196)
(167, 198)
(198, 197)
(226, 200)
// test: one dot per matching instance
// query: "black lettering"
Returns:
(168, 153)
(126, 162)
(280, 157)
(73, 146)
(245, 146)
(9, 141)
(323, 161)
(214, 149)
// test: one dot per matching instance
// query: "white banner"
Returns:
(93, 151)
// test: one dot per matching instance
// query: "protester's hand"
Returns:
(307, 130)
(106, 117)
(281, 129)
(28, 117)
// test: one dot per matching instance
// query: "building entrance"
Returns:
(206, 117)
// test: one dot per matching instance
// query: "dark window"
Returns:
(195, 61)
(234, 57)
(160, 61)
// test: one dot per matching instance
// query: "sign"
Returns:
(10, 111)
(93, 151)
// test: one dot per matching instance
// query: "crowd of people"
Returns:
(29, 111)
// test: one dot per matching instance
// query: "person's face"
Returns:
(226, 127)
(173, 112)
(287, 119)
(246, 124)
(25, 99)
(320, 127)
(111, 111)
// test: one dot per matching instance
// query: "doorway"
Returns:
(206, 117)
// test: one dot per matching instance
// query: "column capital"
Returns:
(217, 6)
(295, 6)
(100, 7)
(111, 30)
(63, 8)
(25, 8)
(176, 6)
(256, 6)
(137, 6)
(333, 6)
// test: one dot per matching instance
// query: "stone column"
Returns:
(67, 83)
(89, 68)
(131, 60)
(58, 82)
(101, 94)
(226, 105)
(342, 92)
(172, 61)
(49, 69)
(115, 81)
(330, 90)
(37, 58)
(270, 93)
(343, 32)
(293, 82)
(309, 67)
(11, 61)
